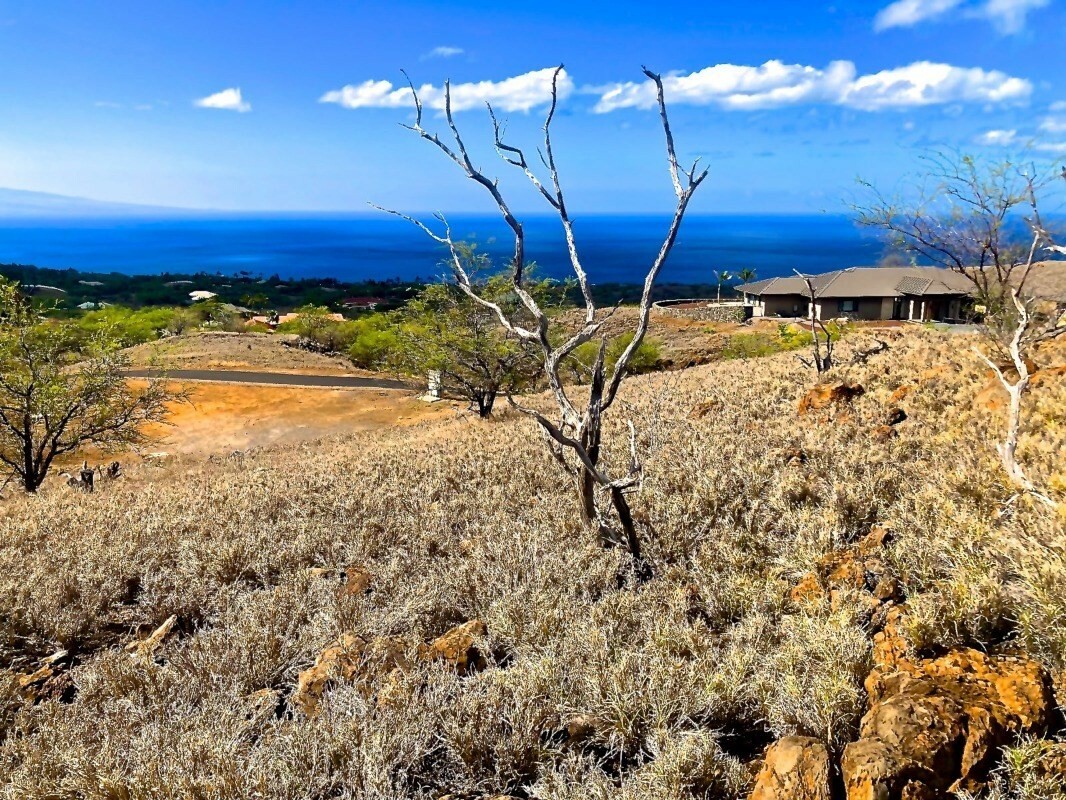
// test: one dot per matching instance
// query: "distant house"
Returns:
(178, 283)
(91, 283)
(89, 305)
(866, 293)
(363, 303)
(40, 290)
(201, 294)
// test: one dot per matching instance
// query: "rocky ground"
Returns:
(843, 605)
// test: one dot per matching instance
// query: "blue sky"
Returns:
(138, 101)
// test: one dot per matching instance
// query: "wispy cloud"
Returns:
(1054, 123)
(443, 51)
(520, 93)
(775, 84)
(998, 138)
(227, 100)
(1009, 16)
(1058, 148)
(908, 13)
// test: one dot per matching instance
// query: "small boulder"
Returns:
(701, 410)
(458, 647)
(357, 581)
(826, 395)
(895, 416)
(349, 659)
(794, 768)
(901, 392)
(808, 590)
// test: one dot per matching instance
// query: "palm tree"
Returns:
(746, 275)
(723, 276)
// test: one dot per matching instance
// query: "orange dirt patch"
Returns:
(223, 417)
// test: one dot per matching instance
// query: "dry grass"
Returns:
(260, 352)
(680, 681)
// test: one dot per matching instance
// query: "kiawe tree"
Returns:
(983, 221)
(60, 393)
(575, 436)
(444, 330)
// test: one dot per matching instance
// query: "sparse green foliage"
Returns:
(444, 330)
(645, 358)
(374, 340)
(126, 325)
(61, 391)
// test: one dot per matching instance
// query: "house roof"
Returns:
(858, 282)
(1047, 281)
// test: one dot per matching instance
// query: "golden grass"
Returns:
(678, 682)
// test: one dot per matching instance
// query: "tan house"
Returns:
(868, 293)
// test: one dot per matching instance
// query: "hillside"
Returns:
(567, 679)
(218, 350)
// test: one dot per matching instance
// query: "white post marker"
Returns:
(432, 394)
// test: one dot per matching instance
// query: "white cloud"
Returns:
(1000, 138)
(444, 51)
(906, 13)
(775, 84)
(520, 93)
(1051, 147)
(925, 83)
(1054, 124)
(734, 86)
(227, 99)
(1009, 16)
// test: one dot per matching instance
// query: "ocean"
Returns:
(615, 249)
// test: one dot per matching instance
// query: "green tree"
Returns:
(746, 275)
(61, 391)
(444, 330)
(256, 301)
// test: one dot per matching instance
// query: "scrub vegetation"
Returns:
(580, 680)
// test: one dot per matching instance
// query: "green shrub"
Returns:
(373, 339)
(645, 359)
(128, 326)
(788, 337)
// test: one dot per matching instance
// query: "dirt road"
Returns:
(276, 378)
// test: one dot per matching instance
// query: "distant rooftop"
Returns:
(856, 282)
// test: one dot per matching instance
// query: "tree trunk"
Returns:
(586, 482)
(625, 518)
(1008, 450)
(485, 402)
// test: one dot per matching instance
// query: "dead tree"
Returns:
(1032, 327)
(821, 363)
(968, 223)
(575, 439)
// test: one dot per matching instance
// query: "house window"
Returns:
(849, 306)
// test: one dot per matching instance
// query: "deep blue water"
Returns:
(614, 248)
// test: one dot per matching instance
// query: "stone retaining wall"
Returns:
(703, 310)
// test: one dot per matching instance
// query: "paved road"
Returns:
(277, 378)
